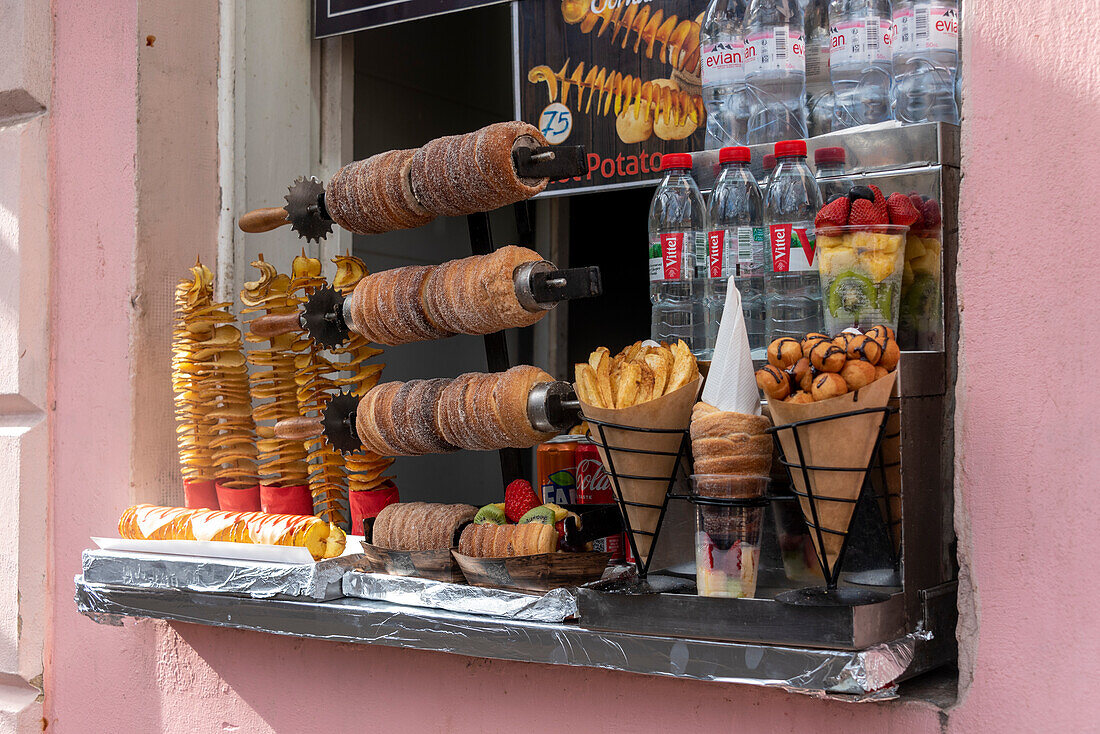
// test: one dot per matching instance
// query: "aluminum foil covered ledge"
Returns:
(317, 581)
(856, 676)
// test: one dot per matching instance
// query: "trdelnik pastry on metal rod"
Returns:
(510, 288)
(499, 164)
(518, 408)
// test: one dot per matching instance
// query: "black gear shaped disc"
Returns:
(323, 317)
(305, 209)
(339, 423)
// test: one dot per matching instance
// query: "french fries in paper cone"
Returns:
(845, 442)
(642, 387)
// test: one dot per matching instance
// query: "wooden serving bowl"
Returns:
(533, 573)
(437, 565)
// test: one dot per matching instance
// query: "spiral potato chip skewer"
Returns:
(327, 474)
(678, 39)
(618, 92)
(282, 462)
(194, 431)
(364, 469)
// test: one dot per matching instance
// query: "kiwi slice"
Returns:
(884, 299)
(490, 515)
(850, 292)
(541, 514)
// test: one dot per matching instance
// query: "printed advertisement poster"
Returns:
(620, 77)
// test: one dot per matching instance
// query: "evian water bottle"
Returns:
(677, 233)
(860, 61)
(792, 301)
(925, 39)
(723, 73)
(819, 88)
(735, 247)
(775, 70)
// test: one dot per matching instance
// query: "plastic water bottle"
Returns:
(723, 72)
(819, 88)
(792, 299)
(860, 61)
(677, 231)
(735, 247)
(769, 166)
(829, 166)
(925, 40)
(775, 70)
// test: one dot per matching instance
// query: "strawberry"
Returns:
(930, 209)
(918, 204)
(864, 212)
(882, 214)
(519, 498)
(834, 213)
(901, 210)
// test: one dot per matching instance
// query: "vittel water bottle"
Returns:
(677, 231)
(819, 88)
(829, 167)
(925, 39)
(735, 247)
(775, 70)
(723, 72)
(860, 62)
(792, 287)
(769, 166)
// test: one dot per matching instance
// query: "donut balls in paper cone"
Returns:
(844, 442)
(643, 386)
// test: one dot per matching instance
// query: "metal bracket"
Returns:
(553, 406)
(553, 162)
(540, 286)
(338, 421)
(305, 208)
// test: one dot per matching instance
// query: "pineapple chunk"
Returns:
(836, 259)
(879, 265)
(914, 247)
(826, 242)
(929, 264)
(907, 275)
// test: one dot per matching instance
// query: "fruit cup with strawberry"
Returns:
(921, 327)
(861, 255)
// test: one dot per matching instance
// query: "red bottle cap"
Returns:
(670, 161)
(769, 162)
(736, 154)
(788, 148)
(829, 155)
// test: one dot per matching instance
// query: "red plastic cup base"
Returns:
(200, 496)
(239, 500)
(286, 500)
(369, 504)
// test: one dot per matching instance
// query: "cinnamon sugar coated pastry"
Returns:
(473, 411)
(508, 541)
(449, 176)
(418, 526)
(475, 295)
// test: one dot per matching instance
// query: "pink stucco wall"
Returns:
(1026, 452)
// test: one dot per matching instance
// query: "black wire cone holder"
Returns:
(831, 594)
(641, 565)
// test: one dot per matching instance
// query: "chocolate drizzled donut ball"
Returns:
(857, 373)
(773, 381)
(784, 352)
(865, 348)
(828, 357)
(801, 397)
(828, 385)
(891, 353)
(811, 339)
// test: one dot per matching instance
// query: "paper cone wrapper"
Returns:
(845, 442)
(671, 411)
(246, 499)
(369, 503)
(286, 500)
(200, 495)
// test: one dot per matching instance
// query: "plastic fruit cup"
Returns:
(861, 268)
(727, 533)
(920, 323)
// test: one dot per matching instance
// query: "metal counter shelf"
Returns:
(854, 675)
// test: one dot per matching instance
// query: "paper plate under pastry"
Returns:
(534, 573)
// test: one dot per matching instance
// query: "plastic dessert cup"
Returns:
(920, 324)
(729, 511)
(861, 268)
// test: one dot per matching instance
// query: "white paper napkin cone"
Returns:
(731, 382)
